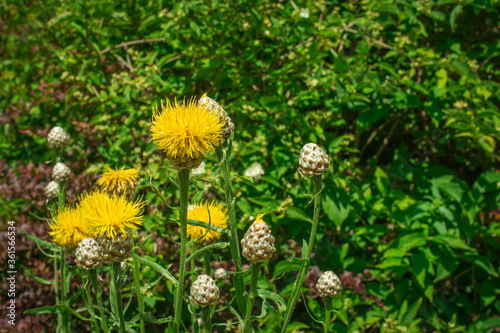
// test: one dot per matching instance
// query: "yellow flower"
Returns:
(218, 218)
(188, 130)
(119, 181)
(109, 214)
(69, 227)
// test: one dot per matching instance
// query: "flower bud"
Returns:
(212, 105)
(328, 284)
(204, 291)
(115, 249)
(258, 242)
(313, 160)
(220, 274)
(61, 172)
(57, 137)
(88, 254)
(52, 190)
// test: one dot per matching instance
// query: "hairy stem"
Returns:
(207, 322)
(328, 311)
(118, 294)
(206, 263)
(306, 256)
(239, 286)
(98, 296)
(138, 293)
(184, 187)
(247, 324)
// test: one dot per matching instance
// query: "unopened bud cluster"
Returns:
(88, 254)
(57, 137)
(328, 284)
(313, 160)
(258, 242)
(220, 274)
(212, 105)
(52, 190)
(115, 249)
(61, 172)
(204, 291)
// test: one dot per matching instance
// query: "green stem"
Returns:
(64, 291)
(306, 256)
(91, 307)
(178, 300)
(138, 293)
(193, 277)
(247, 324)
(116, 272)
(239, 285)
(206, 263)
(56, 291)
(206, 319)
(98, 296)
(328, 311)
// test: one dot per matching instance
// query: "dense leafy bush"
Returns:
(403, 95)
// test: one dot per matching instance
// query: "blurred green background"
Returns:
(403, 95)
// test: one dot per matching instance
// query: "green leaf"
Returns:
(156, 267)
(336, 205)
(454, 14)
(419, 264)
(451, 241)
(298, 214)
(460, 67)
(44, 309)
(283, 267)
(215, 246)
(268, 295)
(341, 64)
(482, 262)
(411, 313)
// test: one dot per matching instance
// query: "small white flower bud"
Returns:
(52, 190)
(313, 160)
(88, 254)
(212, 105)
(258, 242)
(204, 291)
(328, 284)
(61, 172)
(57, 137)
(220, 274)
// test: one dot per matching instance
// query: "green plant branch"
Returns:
(98, 295)
(116, 275)
(247, 323)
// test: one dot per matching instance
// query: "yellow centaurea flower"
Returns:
(69, 227)
(110, 215)
(119, 181)
(186, 131)
(218, 218)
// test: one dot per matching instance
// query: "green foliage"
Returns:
(403, 95)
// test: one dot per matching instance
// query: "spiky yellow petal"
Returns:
(69, 227)
(187, 130)
(119, 181)
(218, 218)
(109, 214)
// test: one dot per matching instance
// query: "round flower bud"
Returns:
(204, 291)
(52, 190)
(328, 284)
(57, 137)
(212, 105)
(258, 243)
(313, 160)
(88, 254)
(61, 172)
(186, 162)
(220, 274)
(115, 249)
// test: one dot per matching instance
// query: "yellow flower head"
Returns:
(118, 181)
(109, 214)
(69, 227)
(218, 218)
(188, 130)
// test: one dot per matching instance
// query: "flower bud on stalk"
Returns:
(88, 254)
(57, 137)
(220, 274)
(258, 242)
(115, 249)
(52, 190)
(204, 291)
(215, 107)
(328, 284)
(61, 172)
(313, 161)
